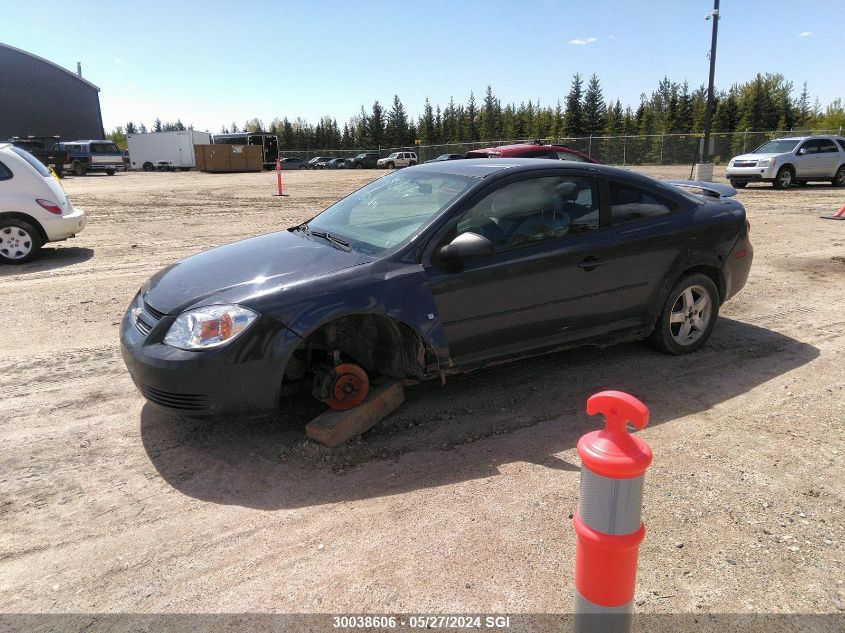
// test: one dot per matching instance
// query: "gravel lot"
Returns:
(459, 501)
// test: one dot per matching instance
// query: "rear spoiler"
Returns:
(708, 189)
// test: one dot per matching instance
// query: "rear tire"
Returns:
(148, 166)
(739, 184)
(688, 317)
(839, 179)
(785, 178)
(19, 241)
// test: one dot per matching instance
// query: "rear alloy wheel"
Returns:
(839, 179)
(688, 316)
(784, 178)
(19, 241)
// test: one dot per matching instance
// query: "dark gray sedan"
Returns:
(433, 270)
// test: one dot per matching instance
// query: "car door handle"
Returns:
(589, 263)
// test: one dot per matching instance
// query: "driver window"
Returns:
(534, 210)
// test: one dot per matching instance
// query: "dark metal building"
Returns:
(40, 98)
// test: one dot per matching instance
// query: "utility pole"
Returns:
(708, 113)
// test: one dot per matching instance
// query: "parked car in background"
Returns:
(337, 163)
(92, 156)
(293, 163)
(443, 157)
(435, 270)
(324, 164)
(312, 164)
(364, 160)
(531, 150)
(398, 159)
(791, 161)
(34, 208)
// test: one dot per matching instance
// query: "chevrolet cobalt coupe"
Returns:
(433, 270)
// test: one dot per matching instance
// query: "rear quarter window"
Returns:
(841, 142)
(5, 172)
(104, 148)
(629, 204)
(34, 162)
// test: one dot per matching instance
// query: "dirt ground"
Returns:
(459, 501)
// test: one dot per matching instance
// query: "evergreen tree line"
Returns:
(766, 103)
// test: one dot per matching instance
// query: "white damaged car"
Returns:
(34, 209)
(790, 161)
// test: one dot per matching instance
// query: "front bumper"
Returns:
(61, 227)
(244, 376)
(751, 174)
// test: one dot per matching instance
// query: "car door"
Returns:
(828, 157)
(545, 282)
(808, 161)
(651, 233)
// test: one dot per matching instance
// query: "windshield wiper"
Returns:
(331, 238)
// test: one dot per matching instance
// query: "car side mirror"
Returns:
(466, 245)
(802, 151)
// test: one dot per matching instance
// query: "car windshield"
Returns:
(387, 212)
(777, 147)
(36, 164)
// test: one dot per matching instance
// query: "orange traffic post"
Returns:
(608, 524)
(279, 178)
(839, 215)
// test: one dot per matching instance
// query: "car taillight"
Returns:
(52, 207)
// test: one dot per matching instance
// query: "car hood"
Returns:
(243, 271)
(756, 156)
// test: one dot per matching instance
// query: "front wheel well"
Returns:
(379, 344)
(13, 215)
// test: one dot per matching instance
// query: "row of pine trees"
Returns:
(768, 102)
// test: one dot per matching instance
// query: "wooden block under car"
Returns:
(333, 428)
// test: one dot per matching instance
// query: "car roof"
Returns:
(483, 167)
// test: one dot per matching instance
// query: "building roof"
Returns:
(47, 61)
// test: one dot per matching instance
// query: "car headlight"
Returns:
(209, 326)
(763, 163)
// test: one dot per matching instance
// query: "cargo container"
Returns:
(269, 144)
(165, 150)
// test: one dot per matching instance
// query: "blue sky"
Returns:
(211, 63)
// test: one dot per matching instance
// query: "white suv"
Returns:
(398, 159)
(788, 161)
(34, 208)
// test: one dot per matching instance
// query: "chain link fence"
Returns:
(652, 149)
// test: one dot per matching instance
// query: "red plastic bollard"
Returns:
(279, 178)
(608, 524)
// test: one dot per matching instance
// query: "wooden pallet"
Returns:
(333, 428)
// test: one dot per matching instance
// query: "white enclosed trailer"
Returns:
(165, 150)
